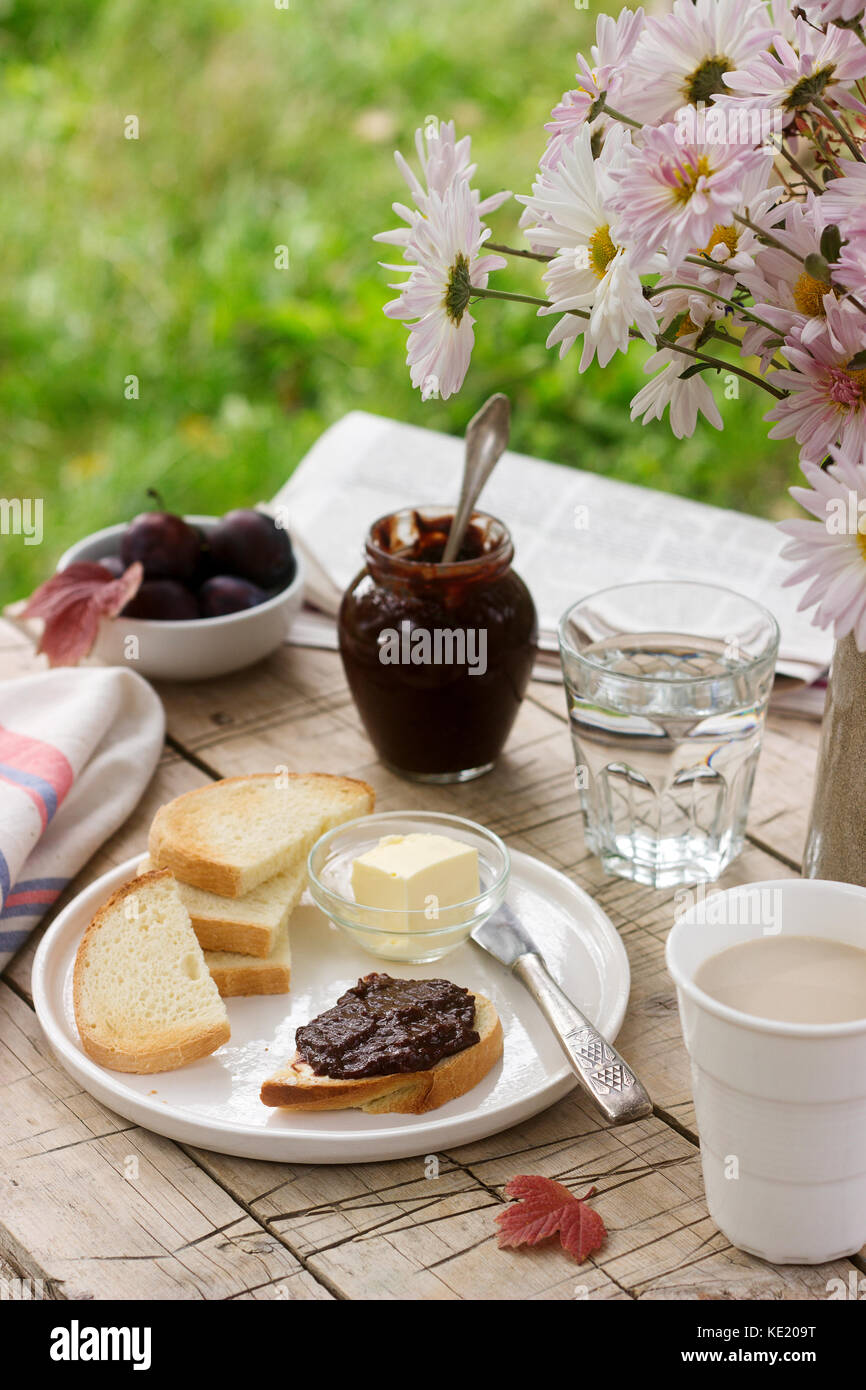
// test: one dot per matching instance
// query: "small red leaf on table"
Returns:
(581, 1229)
(72, 602)
(544, 1208)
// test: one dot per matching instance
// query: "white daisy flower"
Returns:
(590, 270)
(445, 244)
(687, 397)
(444, 160)
(680, 58)
(831, 551)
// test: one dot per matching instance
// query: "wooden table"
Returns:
(198, 1225)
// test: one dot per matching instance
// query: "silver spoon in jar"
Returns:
(486, 441)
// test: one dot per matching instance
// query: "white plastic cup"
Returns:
(781, 1107)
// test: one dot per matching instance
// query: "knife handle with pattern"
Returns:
(606, 1078)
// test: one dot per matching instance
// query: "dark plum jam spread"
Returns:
(383, 1025)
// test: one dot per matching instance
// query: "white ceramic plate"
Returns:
(215, 1102)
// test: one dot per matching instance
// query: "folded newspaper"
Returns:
(574, 532)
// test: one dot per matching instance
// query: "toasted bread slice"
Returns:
(143, 998)
(234, 973)
(229, 837)
(297, 1087)
(249, 925)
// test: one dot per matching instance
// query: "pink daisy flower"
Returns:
(443, 239)
(850, 269)
(614, 41)
(831, 551)
(814, 65)
(845, 198)
(784, 293)
(827, 401)
(733, 249)
(680, 58)
(844, 203)
(828, 11)
(670, 195)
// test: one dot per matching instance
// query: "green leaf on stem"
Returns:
(695, 368)
(831, 243)
(817, 267)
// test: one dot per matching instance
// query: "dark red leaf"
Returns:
(545, 1207)
(72, 602)
(76, 581)
(581, 1230)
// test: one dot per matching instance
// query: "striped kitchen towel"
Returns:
(77, 749)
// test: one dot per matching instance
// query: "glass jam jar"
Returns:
(437, 656)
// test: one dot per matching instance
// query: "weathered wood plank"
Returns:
(661, 1241)
(391, 1230)
(99, 1208)
(530, 799)
(16, 1287)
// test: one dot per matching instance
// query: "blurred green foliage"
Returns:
(155, 257)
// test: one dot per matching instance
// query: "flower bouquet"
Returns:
(702, 187)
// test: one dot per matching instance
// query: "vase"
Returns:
(836, 842)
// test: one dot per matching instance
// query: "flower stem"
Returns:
(707, 262)
(768, 238)
(721, 364)
(711, 294)
(618, 116)
(661, 342)
(824, 148)
(839, 128)
(515, 251)
(795, 164)
(479, 293)
(735, 342)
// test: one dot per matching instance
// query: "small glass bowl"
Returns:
(383, 931)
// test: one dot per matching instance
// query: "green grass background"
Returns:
(262, 126)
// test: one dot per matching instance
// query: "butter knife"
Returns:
(605, 1077)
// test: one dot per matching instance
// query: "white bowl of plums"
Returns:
(217, 593)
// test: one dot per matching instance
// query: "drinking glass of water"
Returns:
(667, 686)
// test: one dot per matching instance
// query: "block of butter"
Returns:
(419, 873)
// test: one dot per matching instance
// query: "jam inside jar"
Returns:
(437, 656)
